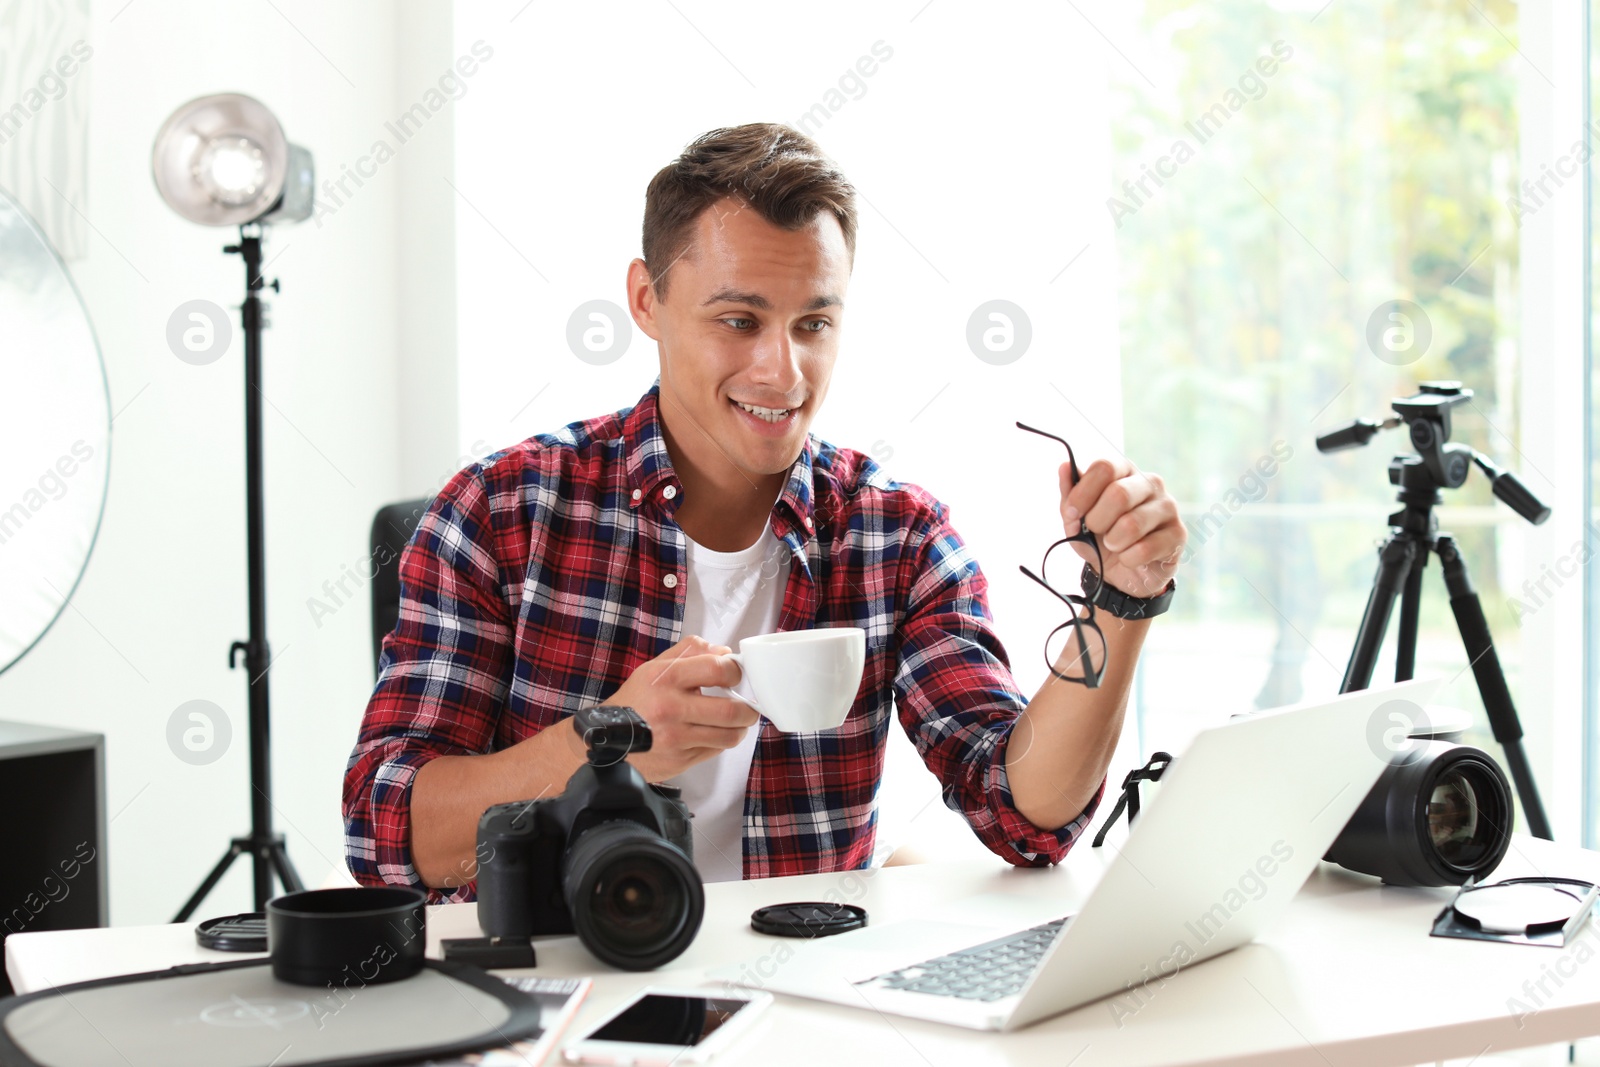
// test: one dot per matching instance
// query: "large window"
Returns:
(1299, 246)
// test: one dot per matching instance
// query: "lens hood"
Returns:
(351, 936)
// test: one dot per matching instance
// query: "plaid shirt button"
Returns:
(670, 491)
(670, 581)
(637, 493)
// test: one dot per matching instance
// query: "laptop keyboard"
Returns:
(990, 971)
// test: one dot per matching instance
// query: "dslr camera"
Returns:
(610, 859)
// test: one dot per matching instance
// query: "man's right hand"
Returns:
(685, 725)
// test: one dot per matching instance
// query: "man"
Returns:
(619, 560)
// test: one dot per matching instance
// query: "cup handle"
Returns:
(743, 690)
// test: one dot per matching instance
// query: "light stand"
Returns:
(223, 160)
(265, 848)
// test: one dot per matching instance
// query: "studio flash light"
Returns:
(223, 160)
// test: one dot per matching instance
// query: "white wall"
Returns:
(346, 359)
(980, 149)
(426, 258)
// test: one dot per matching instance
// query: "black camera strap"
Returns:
(1150, 772)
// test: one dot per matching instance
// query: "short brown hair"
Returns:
(776, 169)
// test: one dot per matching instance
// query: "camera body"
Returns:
(519, 885)
(610, 859)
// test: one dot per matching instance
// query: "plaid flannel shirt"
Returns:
(541, 577)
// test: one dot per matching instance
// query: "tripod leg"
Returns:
(233, 853)
(1405, 653)
(1503, 721)
(1394, 563)
(286, 872)
(261, 873)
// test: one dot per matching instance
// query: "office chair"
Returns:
(392, 528)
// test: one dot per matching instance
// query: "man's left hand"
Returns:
(1134, 518)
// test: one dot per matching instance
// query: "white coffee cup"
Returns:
(802, 680)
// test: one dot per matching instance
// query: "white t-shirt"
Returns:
(730, 596)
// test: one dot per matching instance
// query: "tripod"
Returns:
(265, 848)
(1403, 556)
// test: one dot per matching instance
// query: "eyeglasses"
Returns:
(1058, 568)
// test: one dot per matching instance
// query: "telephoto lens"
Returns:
(1439, 814)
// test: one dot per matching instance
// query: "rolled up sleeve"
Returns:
(443, 677)
(958, 701)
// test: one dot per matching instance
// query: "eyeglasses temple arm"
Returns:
(1070, 599)
(1072, 460)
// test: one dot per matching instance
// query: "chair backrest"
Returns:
(392, 528)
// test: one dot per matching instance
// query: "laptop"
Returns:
(1238, 824)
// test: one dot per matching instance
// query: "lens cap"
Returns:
(808, 919)
(1516, 907)
(245, 932)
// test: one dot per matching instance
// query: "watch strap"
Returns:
(1114, 601)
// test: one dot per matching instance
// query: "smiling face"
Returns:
(750, 321)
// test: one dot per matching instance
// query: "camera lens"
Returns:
(1438, 815)
(1460, 809)
(636, 900)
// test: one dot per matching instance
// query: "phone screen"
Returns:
(668, 1020)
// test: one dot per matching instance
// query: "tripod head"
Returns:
(1437, 464)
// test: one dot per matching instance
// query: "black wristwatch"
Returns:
(1110, 599)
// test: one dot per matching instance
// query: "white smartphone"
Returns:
(670, 1026)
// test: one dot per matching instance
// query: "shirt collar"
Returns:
(649, 470)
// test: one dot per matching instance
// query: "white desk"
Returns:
(1349, 977)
